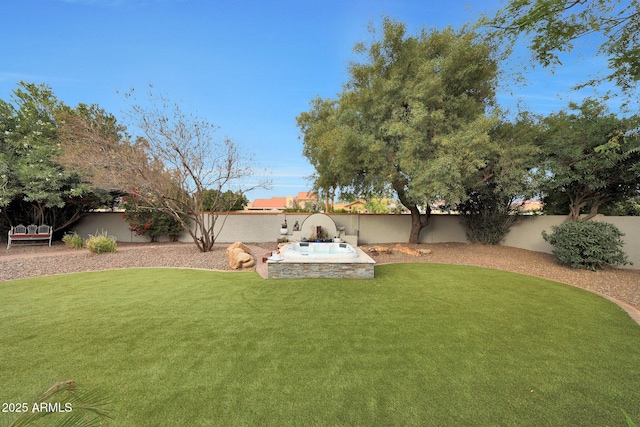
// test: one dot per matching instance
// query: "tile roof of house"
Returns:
(272, 203)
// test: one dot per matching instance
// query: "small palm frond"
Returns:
(66, 405)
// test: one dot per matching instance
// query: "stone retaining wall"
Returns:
(314, 270)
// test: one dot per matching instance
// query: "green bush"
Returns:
(148, 221)
(74, 240)
(587, 244)
(101, 243)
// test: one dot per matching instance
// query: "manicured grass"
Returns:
(419, 345)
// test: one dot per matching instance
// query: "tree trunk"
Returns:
(574, 214)
(418, 222)
(593, 212)
(207, 239)
(575, 206)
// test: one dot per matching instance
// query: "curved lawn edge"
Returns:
(632, 311)
(421, 343)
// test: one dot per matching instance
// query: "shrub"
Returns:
(149, 222)
(587, 244)
(487, 215)
(101, 243)
(74, 240)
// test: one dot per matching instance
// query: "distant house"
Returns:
(306, 200)
(529, 206)
(272, 204)
(302, 200)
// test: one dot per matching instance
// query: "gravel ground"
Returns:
(30, 261)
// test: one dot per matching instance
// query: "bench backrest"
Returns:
(19, 229)
(31, 229)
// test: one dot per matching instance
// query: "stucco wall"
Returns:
(368, 229)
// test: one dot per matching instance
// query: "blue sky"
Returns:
(250, 67)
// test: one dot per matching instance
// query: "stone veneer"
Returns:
(359, 268)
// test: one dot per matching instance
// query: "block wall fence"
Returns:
(369, 229)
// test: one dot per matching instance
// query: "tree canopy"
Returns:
(58, 163)
(495, 196)
(411, 119)
(590, 157)
(35, 185)
(226, 201)
(552, 27)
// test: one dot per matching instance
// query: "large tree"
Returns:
(176, 166)
(411, 119)
(322, 132)
(552, 27)
(92, 139)
(35, 186)
(591, 157)
(496, 194)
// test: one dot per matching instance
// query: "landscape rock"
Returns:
(407, 250)
(239, 256)
(240, 245)
(379, 250)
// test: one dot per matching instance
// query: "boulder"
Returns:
(239, 256)
(406, 250)
(240, 245)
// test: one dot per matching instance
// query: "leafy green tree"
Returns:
(590, 158)
(553, 26)
(304, 206)
(29, 146)
(321, 130)
(411, 120)
(377, 206)
(495, 196)
(35, 186)
(629, 207)
(225, 201)
(556, 204)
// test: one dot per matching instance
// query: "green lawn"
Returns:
(421, 344)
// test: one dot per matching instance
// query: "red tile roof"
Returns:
(280, 203)
(272, 203)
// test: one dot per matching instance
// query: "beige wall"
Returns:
(369, 229)
(111, 222)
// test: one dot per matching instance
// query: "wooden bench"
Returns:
(29, 233)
